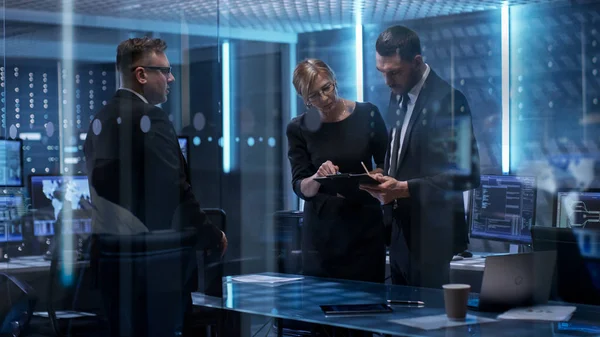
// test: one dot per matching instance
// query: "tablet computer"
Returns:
(356, 309)
(347, 179)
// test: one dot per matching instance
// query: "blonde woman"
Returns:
(343, 233)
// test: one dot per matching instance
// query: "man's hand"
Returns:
(388, 190)
(376, 171)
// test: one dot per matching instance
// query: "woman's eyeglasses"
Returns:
(325, 90)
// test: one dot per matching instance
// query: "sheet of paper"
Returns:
(65, 314)
(440, 321)
(264, 279)
(552, 313)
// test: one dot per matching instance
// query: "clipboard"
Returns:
(346, 180)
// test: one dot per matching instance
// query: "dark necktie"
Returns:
(401, 114)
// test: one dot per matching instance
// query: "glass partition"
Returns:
(124, 123)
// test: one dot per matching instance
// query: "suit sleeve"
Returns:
(299, 158)
(379, 138)
(451, 148)
(166, 184)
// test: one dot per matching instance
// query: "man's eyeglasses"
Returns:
(164, 70)
(325, 90)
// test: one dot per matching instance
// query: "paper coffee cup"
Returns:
(456, 297)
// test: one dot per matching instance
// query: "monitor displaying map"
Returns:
(60, 197)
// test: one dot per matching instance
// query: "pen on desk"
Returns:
(406, 302)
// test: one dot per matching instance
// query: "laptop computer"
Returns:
(576, 263)
(515, 280)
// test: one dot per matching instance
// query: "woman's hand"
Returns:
(327, 168)
(310, 187)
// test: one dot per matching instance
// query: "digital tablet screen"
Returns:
(353, 309)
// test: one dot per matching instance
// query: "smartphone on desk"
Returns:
(355, 309)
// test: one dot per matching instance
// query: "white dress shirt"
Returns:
(136, 93)
(413, 94)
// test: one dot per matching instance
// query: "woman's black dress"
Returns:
(341, 237)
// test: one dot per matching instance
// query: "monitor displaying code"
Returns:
(503, 208)
(11, 210)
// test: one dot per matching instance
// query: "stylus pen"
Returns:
(406, 302)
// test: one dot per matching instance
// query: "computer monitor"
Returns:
(577, 209)
(184, 145)
(64, 197)
(11, 162)
(11, 210)
(503, 208)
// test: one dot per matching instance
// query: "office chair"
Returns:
(288, 250)
(17, 305)
(146, 280)
(211, 283)
(84, 325)
(210, 321)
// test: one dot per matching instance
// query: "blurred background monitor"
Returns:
(503, 208)
(11, 210)
(11, 162)
(577, 209)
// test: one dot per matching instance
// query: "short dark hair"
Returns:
(132, 50)
(398, 40)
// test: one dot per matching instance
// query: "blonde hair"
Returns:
(306, 73)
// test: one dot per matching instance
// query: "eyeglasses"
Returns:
(164, 70)
(325, 90)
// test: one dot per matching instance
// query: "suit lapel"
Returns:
(421, 102)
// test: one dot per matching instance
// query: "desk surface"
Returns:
(28, 264)
(300, 300)
(25, 264)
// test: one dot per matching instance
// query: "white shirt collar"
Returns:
(136, 93)
(413, 94)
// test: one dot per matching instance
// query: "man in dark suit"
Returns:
(431, 159)
(135, 167)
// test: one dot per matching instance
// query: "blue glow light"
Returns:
(505, 89)
(226, 108)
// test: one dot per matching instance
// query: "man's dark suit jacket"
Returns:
(134, 161)
(429, 227)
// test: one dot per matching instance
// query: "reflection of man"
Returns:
(132, 153)
(137, 177)
(431, 159)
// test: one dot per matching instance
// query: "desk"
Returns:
(300, 301)
(31, 264)
(25, 264)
